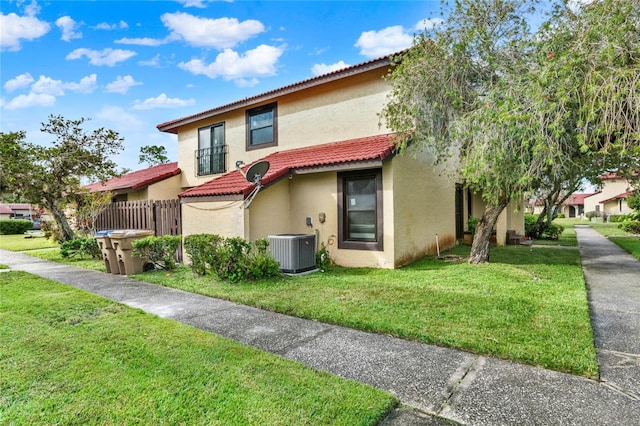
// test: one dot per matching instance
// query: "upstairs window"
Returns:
(360, 210)
(262, 127)
(211, 153)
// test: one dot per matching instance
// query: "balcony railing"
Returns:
(211, 160)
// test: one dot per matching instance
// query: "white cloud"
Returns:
(153, 62)
(319, 69)
(86, 85)
(162, 101)
(374, 44)
(120, 117)
(108, 57)
(21, 81)
(30, 100)
(122, 25)
(143, 41)
(221, 33)
(428, 24)
(122, 84)
(49, 86)
(14, 29)
(193, 3)
(68, 27)
(259, 62)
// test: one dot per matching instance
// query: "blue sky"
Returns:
(130, 65)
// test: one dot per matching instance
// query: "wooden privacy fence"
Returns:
(162, 216)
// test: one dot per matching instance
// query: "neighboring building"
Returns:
(161, 182)
(573, 206)
(5, 212)
(333, 171)
(16, 211)
(612, 197)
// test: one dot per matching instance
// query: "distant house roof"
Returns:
(5, 209)
(136, 180)
(576, 199)
(20, 206)
(617, 197)
(174, 125)
(366, 152)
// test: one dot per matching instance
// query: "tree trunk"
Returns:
(484, 228)
(61, 221)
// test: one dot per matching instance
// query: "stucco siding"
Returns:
(346, 109)
(225, 218)
(424, 206)
(269, 211)
(610, 188)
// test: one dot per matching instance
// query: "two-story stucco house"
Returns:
(333, 171)
(612, 196)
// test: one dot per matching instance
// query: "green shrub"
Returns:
(590, 215)
(542, 230)
(15, 226)
(260, 263)
(633, 201)
(51, 231)
(231, 259)
(560, 216)
(631, 226)
(552, 232)
(618, 218)
(323, 260)
(81, 247)
(472, 222)
(160, 251)
(202, 251)
(530, 225)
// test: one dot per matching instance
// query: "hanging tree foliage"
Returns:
(50, 176)
(518, 110)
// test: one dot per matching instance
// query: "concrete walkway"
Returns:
(432, 383)
(613, 282)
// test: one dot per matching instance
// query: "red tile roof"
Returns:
(138, 179)
(617, 197)
(5, 209)
(576, 199)
(283, 162)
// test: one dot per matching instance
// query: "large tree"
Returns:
(50, 176)
(517, 110)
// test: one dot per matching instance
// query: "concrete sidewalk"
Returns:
(433, 383)
(613, 282)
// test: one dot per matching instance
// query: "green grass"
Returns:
(568, 237)
(69, 357)
(527, 305)
(20, 243)
(55, 256)
(628, 242)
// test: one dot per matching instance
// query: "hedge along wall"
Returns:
(15, 226)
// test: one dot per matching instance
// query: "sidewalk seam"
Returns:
(457, 386)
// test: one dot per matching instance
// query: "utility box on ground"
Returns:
(128, 264)
(295, 252)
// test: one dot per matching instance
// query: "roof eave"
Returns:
(174, 125)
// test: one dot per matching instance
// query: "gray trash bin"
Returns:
(108, 252)
(128, 264)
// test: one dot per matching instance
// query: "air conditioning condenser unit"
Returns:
(295, 252)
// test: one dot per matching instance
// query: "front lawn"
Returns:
(70, 357)
(628, 242)
(20, 243)
(528, 305)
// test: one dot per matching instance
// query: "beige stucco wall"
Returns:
(610, 188)
(342, 110)
(424, 206)
(225, 218)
